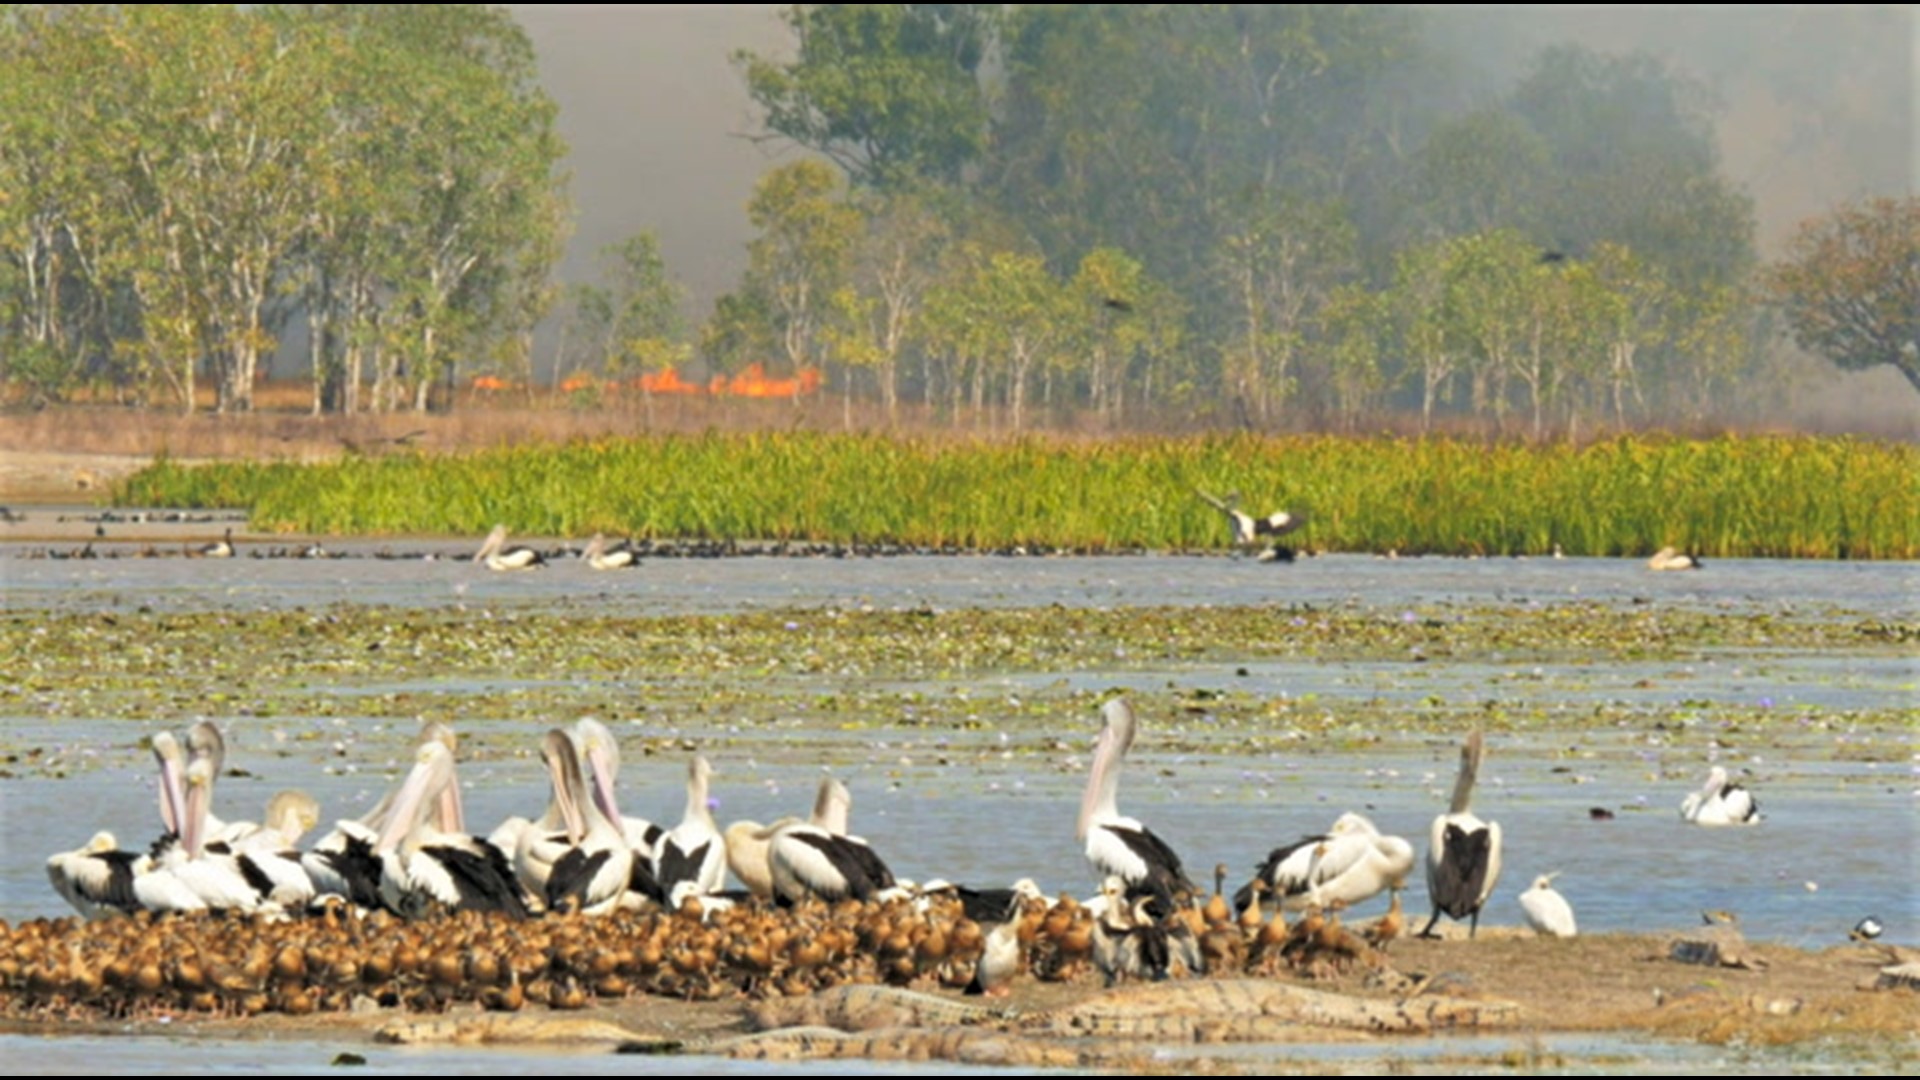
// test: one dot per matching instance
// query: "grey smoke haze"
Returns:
(1817, 106)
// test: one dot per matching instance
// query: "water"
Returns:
(1839, 841)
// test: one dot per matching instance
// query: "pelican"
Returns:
(219, 549)
(343, 862)
(694, 851)
(601, 557)
(97, 878)
(186, 864)
(1247, 529)
(498, 556)
(1547, 911)
(818, 859)
(1463, 852)
(600, 757)
(573, 851)
(999, 961)
(1668, 558)
(1121, 846)
(747, 845)
(422, 864)
(1349, 864)
(1720, 802)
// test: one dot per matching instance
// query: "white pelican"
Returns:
(600, 757)
(694, 850)
(1463, 852)
(601, 557)
(267, 857)
(1668, 558)
(818, 859)
(213, 877)
(1547, 911)
(343, 862)
(97, 879)
(498, 556)
(1121, 846)
(1720, 802)
(1351, 863)
(747, 844)
(573, 852)
(422, 864)
(1247, 529)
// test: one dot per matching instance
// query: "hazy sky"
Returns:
(1819, 106)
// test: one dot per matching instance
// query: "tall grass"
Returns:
(1731, 496)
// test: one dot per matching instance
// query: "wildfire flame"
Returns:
(750, 382)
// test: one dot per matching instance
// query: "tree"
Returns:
(889, 92)
(802, 255)
(1849, 286)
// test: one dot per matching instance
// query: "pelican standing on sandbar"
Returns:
(1720, 802)
(1463, 852)
(1120, 846)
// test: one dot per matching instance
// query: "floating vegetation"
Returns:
(1793, 497)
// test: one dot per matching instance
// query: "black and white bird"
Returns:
(692, 856)
(1349, 864)
(1668, 558)
(816, 859)
(599, 556)
(1720, 801)
(97, 878)
(572, 856)
(1120, 846)
(1247, 529)
(494, 554)
(1463, 852)
(423, 865)
(219, 549)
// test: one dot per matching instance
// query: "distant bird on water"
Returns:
(496, 555)
(1720, 801)
(219, 549)
(1668, 558)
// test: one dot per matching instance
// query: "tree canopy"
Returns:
(1849, 285)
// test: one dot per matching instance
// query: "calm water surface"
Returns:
(1839, 841)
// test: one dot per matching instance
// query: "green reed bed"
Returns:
(1771, 496)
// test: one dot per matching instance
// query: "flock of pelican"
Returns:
(412, 859)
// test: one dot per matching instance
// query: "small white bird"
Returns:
(1720, 802)
(1547, 911)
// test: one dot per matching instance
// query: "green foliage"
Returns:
(1850, 285)
(1770, 497)
(889, 92)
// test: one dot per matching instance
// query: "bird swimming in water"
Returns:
(1720, 802)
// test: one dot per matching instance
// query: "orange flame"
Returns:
(753, 382)
(490, 383)
(667, 381)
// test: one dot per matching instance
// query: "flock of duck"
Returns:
(406, 906)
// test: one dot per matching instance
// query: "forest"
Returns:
(1264, 217)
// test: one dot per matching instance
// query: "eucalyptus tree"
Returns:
(905, 246)
(632, 317)
(802, 255)
(891, 93)
(1278, 268)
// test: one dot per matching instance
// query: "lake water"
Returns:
(1839, 841)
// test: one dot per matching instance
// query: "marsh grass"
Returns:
(1743, 497)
